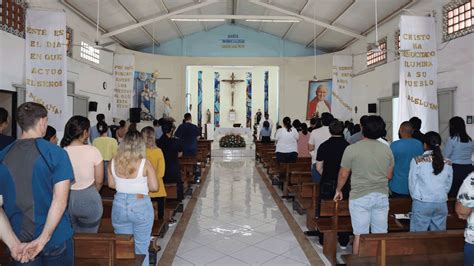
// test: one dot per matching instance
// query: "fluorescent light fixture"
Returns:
(240, 67)
(198, 19)
(273, 20)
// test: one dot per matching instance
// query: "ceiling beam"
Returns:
(351, 4)
(155, 42)
(308, 19)
(158, 18)
(235, 7)
(260, 26)
(293, 24)
(238, 17)
(203, 24)
(91, 21)
(180, 33)
(380, 23)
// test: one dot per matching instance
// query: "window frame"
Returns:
(382, 42)
(90, 53)
(13, 17)
(453, 6)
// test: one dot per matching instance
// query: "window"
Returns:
(90, 53)
(69, 41)
(12, 17)
(458, 19)
(377, 57)
(397, 44)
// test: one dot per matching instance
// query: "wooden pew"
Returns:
(420, 248)
(105, 249)
(302, 189)
(101, 249)
(284, 170)
(260, 147)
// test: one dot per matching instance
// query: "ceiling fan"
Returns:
(374, 46)
(315, 78)
(97, 44)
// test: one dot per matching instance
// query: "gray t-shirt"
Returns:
(369, 161)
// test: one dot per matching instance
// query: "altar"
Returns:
(223, 131)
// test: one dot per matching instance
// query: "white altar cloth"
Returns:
(222, 131)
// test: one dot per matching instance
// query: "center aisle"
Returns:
(237, 222)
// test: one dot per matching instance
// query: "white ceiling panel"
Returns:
(358, 18)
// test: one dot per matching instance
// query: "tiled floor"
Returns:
(236, 221)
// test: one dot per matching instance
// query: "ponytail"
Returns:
(287, 123)
(433, 141)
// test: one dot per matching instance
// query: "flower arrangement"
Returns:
(232, 141)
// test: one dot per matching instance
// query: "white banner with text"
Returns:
(341, 104)
(418, 71)
(124, 69)
(46, 63)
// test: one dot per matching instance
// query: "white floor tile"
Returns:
(201, 256)
(284, 261)
(181, 262)
(276, 245)
(227, 260)
(254, 255)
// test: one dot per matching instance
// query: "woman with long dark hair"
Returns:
(303, 141)
(85, 203)
(429, 182)
(265, 133)
(286, 142)
(459, 150)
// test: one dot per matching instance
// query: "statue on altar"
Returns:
(146, 97)
(167, 110)
(208, 116)
(258, 116)
(232, 81)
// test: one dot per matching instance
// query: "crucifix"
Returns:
(232, 82)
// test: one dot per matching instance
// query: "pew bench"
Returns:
(420, 248)
(302, 188)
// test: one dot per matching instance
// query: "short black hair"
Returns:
(313, 121)
(155, 122)
(122, 123)
(336, 127)
(100, 117)
(187, 116)
(50, 132)
(167, 127)
(374, 127)
(362, 120)
(28, 114)
(326, 118)
(3, 115)
(415, 123)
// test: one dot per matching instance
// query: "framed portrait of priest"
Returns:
(319, 98)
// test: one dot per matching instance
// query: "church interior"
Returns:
(237, 132)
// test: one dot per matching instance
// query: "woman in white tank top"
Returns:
(133, 176)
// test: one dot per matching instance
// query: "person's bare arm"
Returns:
(341, 181)
(151, 177)
(55, 213)
(180, 154)
(319, 167)
(311, 147)
(462, 211)
(390, 173)
(110, 177)
(99, 175)
(9, 238)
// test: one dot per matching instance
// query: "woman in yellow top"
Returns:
(106, 145)
(157, 160)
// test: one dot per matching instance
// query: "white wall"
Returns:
(239, 92)
(455, 66)
(88, 77)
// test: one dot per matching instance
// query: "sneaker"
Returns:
(343, 247)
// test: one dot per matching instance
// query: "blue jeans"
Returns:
(369, 213)
(133, 215)
(62, 254)
(468, 254)
(428, 216)
(315, 174)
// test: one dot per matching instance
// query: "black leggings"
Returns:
(161, 206)
(460, 172)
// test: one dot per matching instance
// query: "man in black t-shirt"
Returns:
(328, 163)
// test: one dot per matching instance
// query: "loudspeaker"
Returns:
(135, 115)
(92, 106)
(372, 108)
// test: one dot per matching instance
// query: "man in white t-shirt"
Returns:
(317, 137)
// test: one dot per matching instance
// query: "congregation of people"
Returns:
(357, 162)
(49, 192)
